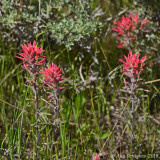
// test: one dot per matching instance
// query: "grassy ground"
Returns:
(87, 118)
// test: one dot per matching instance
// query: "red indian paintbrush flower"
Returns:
(31, 57)
(128, 26)
(96, 157)
(53, 77)
(133, 65)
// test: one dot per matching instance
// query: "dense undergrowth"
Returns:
(78, 36)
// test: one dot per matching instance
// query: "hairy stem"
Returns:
(56, 106)
(37, 116)
(55, 112)
(133, 107)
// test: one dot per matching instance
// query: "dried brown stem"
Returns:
(115, 125)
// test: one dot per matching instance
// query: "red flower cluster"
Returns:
(127, 27)
(53, 77)
(31, 57)
(96, 157)
(133, 66)
(32, 62)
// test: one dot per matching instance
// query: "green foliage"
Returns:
(74, 25)
(67, 22)
(12, 13)
(69, 30)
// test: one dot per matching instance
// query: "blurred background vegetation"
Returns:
(78, 36)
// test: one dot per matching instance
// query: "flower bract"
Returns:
(31, 57)
(133, 65)
(128, 27)
(53, 77)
